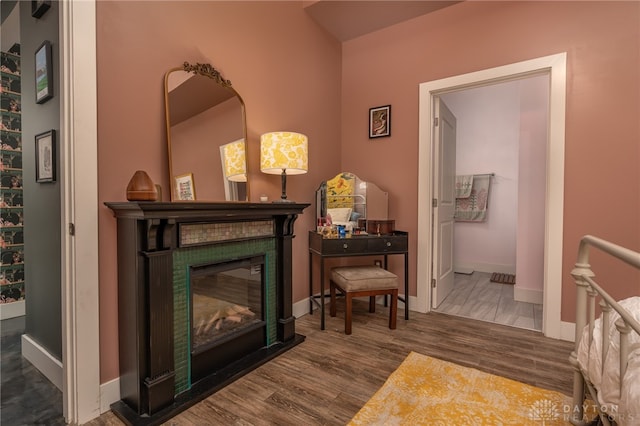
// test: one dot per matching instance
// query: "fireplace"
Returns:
(227, 320)
(204, 296)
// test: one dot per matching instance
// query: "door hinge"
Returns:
(72, 229)
(434, 202)
(435, 121)
(433, 283)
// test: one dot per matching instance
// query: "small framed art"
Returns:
(46, 157)
(44, 76)
(39, 7)
(380, 121)
(185, 188)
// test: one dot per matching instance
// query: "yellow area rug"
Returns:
(429, 391)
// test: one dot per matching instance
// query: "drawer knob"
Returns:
(388, 243)
(345, 246)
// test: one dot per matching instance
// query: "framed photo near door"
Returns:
(46, 157)
(44, 73)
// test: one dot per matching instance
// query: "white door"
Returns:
(443, 201)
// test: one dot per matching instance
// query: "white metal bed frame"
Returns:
(587, 292)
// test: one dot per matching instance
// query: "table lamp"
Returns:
(284, 153)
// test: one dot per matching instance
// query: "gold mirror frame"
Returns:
(201, 105)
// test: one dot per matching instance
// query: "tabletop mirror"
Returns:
(206, 134)
(348, 200)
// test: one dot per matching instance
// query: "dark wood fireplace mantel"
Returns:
(149, 233)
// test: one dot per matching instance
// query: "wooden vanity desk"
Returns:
(396, 243)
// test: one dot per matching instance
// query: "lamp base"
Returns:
(282, 200)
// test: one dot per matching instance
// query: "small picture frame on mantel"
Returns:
(185, 189)
(39, 7)
(380, 122)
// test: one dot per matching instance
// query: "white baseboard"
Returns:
(11, 310)
(301, 308)
(462, 270)
(109, 393)
(528, 295)
(485, 267)
(567, 331)
(415, 305)
(42, 360)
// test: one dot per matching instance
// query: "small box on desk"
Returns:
(377, 226)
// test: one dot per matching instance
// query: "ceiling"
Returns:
(348, 19)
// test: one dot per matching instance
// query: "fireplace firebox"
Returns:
(204, 296)
(227, 313)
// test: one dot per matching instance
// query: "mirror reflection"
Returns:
(206, 133)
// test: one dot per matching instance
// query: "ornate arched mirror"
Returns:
(206, 135)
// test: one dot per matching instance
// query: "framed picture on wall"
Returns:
(39, 7)
(46, 157)
(44, 74)
(380, 122)
(185, 188)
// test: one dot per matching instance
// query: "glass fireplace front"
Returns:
(227, 312)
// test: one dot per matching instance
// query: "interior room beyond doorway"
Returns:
(502, 131)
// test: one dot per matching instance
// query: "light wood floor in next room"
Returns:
(326, 379)
(475, 296)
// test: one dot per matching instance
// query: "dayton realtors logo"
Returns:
(544, 411)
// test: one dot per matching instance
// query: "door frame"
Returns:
(555, 66)
(79, 198)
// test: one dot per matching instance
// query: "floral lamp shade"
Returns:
(284, 152)
(235, 164)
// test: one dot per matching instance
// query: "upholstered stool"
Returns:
(360, 281)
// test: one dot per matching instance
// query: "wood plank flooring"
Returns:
(475, 296)
(326, 379)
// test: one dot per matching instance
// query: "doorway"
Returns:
(500, 150)
(555, 67)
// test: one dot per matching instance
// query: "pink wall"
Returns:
(602, 165)
(284, 66)
(293, 76)
(534, 122)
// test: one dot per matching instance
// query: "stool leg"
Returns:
(347, 313)
(372, 303)
(332, 305)
(393, 310)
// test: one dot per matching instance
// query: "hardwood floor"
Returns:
(330, 376)
(475, 296)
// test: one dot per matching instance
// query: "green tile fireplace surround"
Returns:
(182, 260)
(158, 244)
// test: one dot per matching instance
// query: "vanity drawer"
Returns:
(388, 244)
(343, 246)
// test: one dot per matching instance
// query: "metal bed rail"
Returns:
(588, 290)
